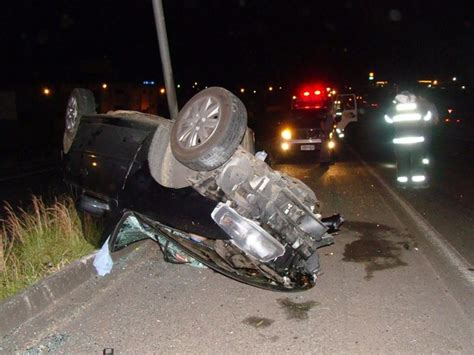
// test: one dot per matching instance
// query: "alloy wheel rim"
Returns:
(199, 123)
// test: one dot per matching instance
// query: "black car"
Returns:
(195, 184)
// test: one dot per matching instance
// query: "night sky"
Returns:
(237, 42)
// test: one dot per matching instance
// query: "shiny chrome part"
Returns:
(93, 206)
(71, 114)
(247, 235)
(199, 123)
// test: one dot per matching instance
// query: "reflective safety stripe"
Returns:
(388, 119)
(408, 140)
(402, 179)
(407, 117)
(428, 116)
(406, 107)
(418, 178)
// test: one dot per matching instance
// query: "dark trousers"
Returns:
(410, 159)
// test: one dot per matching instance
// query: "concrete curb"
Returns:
(31, 302)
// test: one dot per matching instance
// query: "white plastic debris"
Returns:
(103, 262)
(261, 155)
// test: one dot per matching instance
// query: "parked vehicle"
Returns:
(195, 185)
(346, 112)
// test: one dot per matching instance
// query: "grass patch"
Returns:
(41, 240)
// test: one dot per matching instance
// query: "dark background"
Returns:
(236, 42)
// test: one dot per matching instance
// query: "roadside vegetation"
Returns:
(41, 240)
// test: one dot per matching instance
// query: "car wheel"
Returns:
(81, 102)
(208, 129)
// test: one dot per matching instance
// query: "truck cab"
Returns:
(308, 128)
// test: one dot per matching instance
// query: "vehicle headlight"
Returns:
(286, 134)
(247, 235)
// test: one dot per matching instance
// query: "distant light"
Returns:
(255, 91)
(350, 87)
(371, 78)
(435, 82)
(450, 110)
(285, 146)
(270, 88)
(333, 92)
(341, 135)
(306, 93)
(371, 73)
(242, 90)
(429, 85)
(402, 179)
(425, 161)
(46, 91)
(294, 97)
(280, 88)
(454, 78)
(463, 87)
(286, 134)
(195, 83)
(178, 86)
(162, 91)
(328, 89)
(94, 163)
(331, 145)
(104, 86)
(329, 95)
(447, 120)
(317, 92)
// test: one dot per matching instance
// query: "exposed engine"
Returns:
(283, 206)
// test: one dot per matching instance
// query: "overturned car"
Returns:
(195, 185)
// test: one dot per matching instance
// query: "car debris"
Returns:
(196, 187)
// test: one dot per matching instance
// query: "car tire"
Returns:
(81, 102)
(222, 120)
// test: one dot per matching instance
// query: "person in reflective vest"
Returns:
(412, 118)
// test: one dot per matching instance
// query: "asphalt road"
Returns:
(382, 291)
